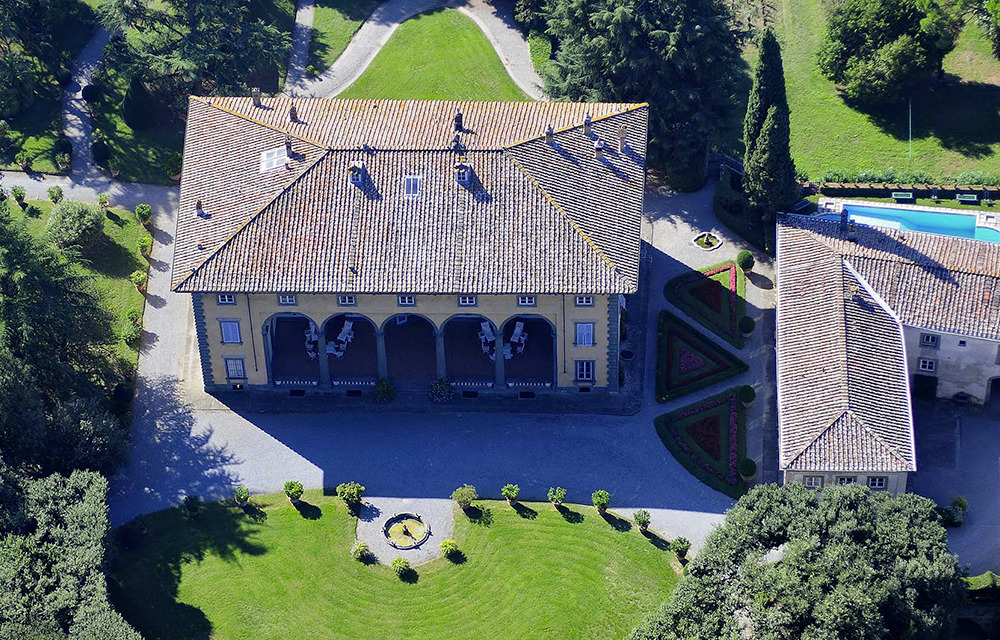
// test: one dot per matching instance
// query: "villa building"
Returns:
(865, 316)
(328, 244)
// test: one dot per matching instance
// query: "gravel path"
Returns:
(496, 21)
(77, 122)
(301, 41)
(438, 513)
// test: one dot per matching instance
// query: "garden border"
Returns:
(735, 338)
(661, 361)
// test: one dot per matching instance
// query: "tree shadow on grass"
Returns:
(457, 557)
(618, 524)
(308, 511)
(479, 516)
(109, 258)
(570, 516)
(410, 576)
(254, 513)
(660, 543)
(525, 511)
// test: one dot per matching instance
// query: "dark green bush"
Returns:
(464, 495)
(63, 145)
(745, 260)
(130, 333)
(747, 324)
(350, 492)
(92, 93)
(441, 391)
(241, 495)
(746, 393)
(101, 151)
(75, 224)
(138, 108)
(64, 76)
(145, 244)
(384, 391)
(951, 516)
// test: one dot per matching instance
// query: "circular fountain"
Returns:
(406, 530)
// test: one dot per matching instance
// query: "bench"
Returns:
(902, 195)
(967, 197)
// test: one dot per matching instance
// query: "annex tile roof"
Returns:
(536, 217)
(843, 389)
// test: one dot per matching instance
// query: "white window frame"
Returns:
(230, 362)
(288, 300)
(930, 340)
(584, 370)
(468, 301)
(927, 365)
(463, 175)
(231, 323)
(877, 483)
(273, 158)
(813, 482)
(842, 480)
(226, 299)
(583, 334)
(584, 301)
(405, 300)
(347, 300)
(526, 301)
(411, 186)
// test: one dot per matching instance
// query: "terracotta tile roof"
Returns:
(536, 218)
(843, 388)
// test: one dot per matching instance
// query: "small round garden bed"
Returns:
(707, 241)
(406, 531)
(626, 354)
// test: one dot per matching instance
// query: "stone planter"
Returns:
(242, 503)
(643, 528)
(295, 501)
(511, 503)
(176, 177)
(747, 334)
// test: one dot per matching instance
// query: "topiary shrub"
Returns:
(510, 492)
(641, 519)
(63, 145)
(951, 516)
(294, 490)
(557, 495)
(192, 504)
(384, 391)
(747, 325)
(449, 547)
(17, 192)
(55, 194)
(351, 493)
(441, 391)
(680, 546)
(401, 566)
(360, 550)
(142, 212)
(601, 500)
(138, 278)
(75, 224)
(100, 151)
(464, 495)
(130, 333)
(746, 394)
(138, 107)
(241, 495)
(745, 260)
(92, 93)
(145, 245)
(747, 468)
(64, 76)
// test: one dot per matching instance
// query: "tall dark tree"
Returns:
(680, 56)
(768, 88)
(791, 563)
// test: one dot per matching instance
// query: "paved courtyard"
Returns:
(186, 441)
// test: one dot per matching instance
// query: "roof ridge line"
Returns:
(207, 101)
(634, 107)
(253, 217)
(881, 440)
(812, 441)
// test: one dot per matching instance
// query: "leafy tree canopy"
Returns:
(847, 563)
(879, 50)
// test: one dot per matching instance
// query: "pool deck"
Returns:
(987, 219)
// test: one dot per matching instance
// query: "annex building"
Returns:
(328, 244)
(867, 316)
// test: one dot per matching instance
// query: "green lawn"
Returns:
(334, 24)
(436, 55)
(110, 264)
(923, 202)
(956, 125)
(278, 574)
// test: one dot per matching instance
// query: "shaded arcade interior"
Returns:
(470, 344)
(531, 357)
(410, 348)
(351, 348)
(294, 349)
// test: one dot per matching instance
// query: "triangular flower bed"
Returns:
(709, 439)
(687, 361)
(713, 296)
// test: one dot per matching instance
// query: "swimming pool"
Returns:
(962, 225)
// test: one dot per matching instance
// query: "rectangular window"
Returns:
(930, 340)
(230, 331)
(466, 301)
(584, 334)
(347, 301)
(287, 299)
(235, 369)
(273, 158)
(961, 343)
(814, 482)
(584, 301)
(585, 370)
(526, 301)
(876, 482)
(462, 175)
(411, 186)
(227, 299)
(927, 365)
(847, 479)
(406, 301)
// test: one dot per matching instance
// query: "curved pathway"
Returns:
(301, 41)
(495, 20)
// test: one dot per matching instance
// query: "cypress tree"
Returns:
(769, 178)
(138, 107)
(768, 89)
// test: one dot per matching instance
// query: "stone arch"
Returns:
(351, 351)
(411, 348)
(287, 348)
(535, 361)
(470, 354)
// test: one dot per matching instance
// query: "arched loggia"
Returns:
(351, 348)
(530, 351)
(410, 348)
(292, 347)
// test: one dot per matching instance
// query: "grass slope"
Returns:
(110, 264)
(280, 575)
(436, 55)
(334, 24)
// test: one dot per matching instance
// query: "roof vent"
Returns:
(550, 135)
(293, 114)
(458, 120)
(463, 173)
(622, 135)
(356, 172)
(587, 121)
(199, 210)
(255, 94)
(599, 149)
(288, 145)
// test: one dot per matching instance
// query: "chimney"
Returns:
(844, 216)
(587, 124)
(293, 114)
(599, 149)
(458, 120)
(288, 145)
(622, 135)
(550, 135)
(255, 94)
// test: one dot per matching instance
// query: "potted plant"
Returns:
(142, 212)
(192, 504)
(441, 391)
(104, 201)
(23, 159)
(510, 492)
(55, 194)
(745, 261)
(601, 499)
(241, 495)
(138, 278)
(556, 496)
(680, 546)
(449, 547)
(747, 469)
(642, 519)
(351, 493)
(145, 245)
(747, 325)
(746, 395)
(18, 193)
(464, 495)
(294, 490)
(383, 392)
(401, 566)
(360, 551)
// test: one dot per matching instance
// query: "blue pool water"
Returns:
(948, 224)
